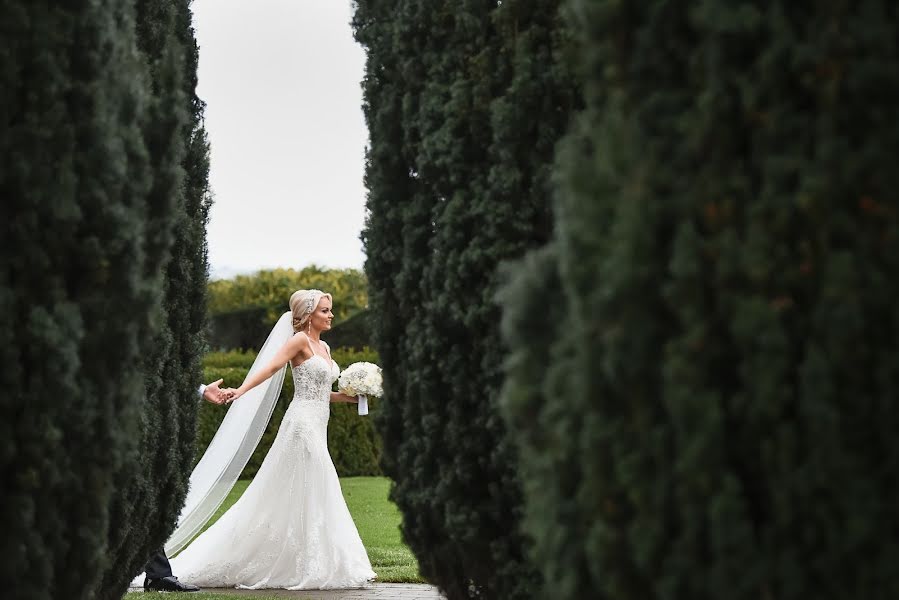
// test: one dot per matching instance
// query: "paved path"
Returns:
(377, 591)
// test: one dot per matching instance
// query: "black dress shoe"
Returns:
(168, 584)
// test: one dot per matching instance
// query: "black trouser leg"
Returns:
(158, 566)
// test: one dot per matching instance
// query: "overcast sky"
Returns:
(281, 82)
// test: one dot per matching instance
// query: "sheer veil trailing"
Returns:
(233, 444)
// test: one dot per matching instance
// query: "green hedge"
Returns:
(247, 327)
(354, 445)
(354, 332)
(240, 328)
(269, 289)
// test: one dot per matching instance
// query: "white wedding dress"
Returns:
(291, 529)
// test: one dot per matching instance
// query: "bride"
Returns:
(291, 528)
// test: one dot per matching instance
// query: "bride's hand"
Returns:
(230, 395)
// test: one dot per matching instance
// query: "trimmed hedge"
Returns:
(243, 328)
(242, 309)
(246, 328)
(354, 332)
(352, 440)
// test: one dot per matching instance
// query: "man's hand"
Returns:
(213, 393)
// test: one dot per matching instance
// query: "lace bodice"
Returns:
(313, 378)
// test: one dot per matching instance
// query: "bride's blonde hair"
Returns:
(302, 303)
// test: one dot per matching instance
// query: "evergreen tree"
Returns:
(716, 417)
(464, 102)
(78, 285)
(92, 291)
(150, 494)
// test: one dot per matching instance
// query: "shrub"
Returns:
(354, 332)
(241, 328)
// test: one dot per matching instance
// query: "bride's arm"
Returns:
(294, 346)
(339, 397)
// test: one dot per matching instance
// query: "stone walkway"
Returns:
(377, 591)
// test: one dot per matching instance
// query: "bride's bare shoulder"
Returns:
(299, 340)
(297, 348)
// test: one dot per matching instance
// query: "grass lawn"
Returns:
(377, 519)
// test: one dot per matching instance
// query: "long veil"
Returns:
(233, 444)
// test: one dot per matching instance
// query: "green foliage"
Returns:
(353, 443)
(714, 419)
(536, 397)
(234, 359)
(243, 308)
(354, 332)
(464, 102)
(271, 289)
(92, 151)
(243, 328)
(150, 494)
(247, 328)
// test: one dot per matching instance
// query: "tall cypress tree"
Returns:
(726, 250)
(149, 497)
(396, 233)
(465, 102)
(78, 285)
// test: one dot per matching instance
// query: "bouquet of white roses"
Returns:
(361, 379)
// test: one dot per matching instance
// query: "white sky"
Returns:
(281, 81)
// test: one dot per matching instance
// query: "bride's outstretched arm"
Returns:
(293, 347)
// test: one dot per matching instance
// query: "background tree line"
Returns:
(244, 308)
